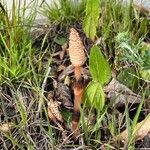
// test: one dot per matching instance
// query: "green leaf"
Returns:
(21, 107)
(94, 96)
(145, 74)
(90, 21)
(60, 40)
(99, 67)
(127, 76)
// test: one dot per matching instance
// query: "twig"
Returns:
(65, 140)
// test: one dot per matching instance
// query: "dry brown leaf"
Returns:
(50, 114)
(140, 131)
(53, 107)
(86, 74)
(63, 94)
(67, 81)
(147, 105)
(61, 68)
(53, 110)
(67, 71)
(121, 93)
(6, 127)
(54, 114)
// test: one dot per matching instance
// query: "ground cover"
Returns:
(38, 84)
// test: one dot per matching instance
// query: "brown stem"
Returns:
(77, 72)
(78, 91)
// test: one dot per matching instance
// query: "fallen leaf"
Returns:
(50, 115)
(55, 115)
(86, 74)
(61, 54)
(67, 71)
(6, 127)
(121, 93)
(140, 131)
(147, 105)
(146, 141)
(61, 68)
(63, 94)
(53, 111)
(67, 81)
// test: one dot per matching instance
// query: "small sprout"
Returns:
(77, 58)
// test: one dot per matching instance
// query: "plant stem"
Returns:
(78, 91)
(77, 72)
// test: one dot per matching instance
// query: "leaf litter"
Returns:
(62, 97)
(114, 89)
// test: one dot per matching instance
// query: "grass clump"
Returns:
(64, 12)
(15, 46)
(116, 17)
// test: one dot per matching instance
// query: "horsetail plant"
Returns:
(77, 58)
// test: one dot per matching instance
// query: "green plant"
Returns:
(15, 45)
(91, 17)
(94, 97)
(130, 125)
(116, 17)
(127, 76)
(99, 68)
(64, 12)
(21, 116)
(136, 53)
(22, 64)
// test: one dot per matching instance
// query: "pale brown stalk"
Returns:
(78, 91)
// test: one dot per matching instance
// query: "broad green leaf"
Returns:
(94, 95)
(91, 18)
(99, 67)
